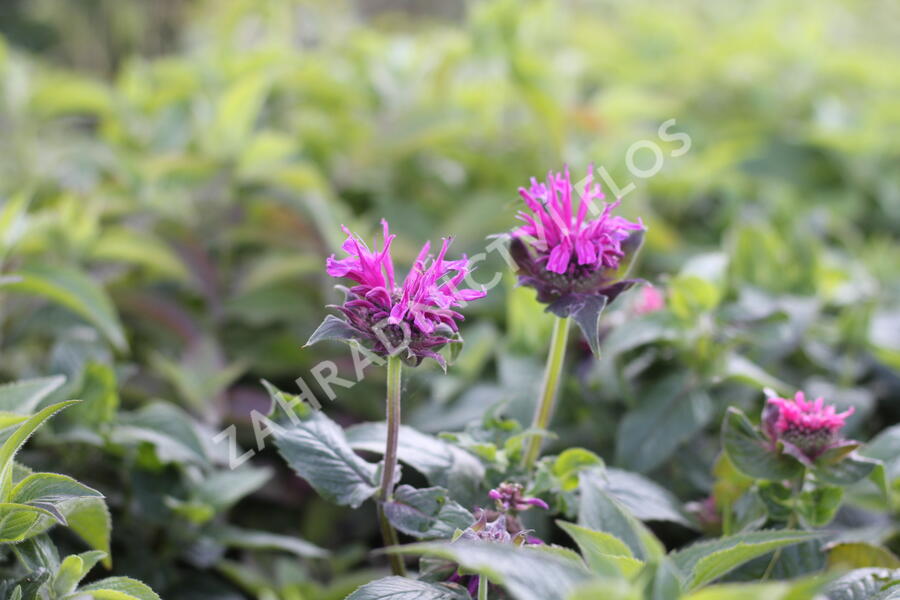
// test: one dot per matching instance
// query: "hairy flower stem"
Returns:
(552, 374)
(386, 492)
(482, 588)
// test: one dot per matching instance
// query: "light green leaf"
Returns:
(118, 588)
(77, 292)
(604, 553)
(18, 438)
(645, 499)
(90, 519)
(599, 511)
(140, 248)
(707, 561)
(857, 555)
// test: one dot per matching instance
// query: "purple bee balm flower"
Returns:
(509, 498)
(576, 263)
(415, 317)
(807, 429)
(496, 531)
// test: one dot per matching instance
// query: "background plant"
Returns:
(171, 188)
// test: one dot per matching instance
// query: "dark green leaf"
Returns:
(750, 452)
(426, 513)
(402, 588)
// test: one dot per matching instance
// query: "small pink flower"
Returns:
(651, 300)
(510, 498)
(416, 314)
(806, 428)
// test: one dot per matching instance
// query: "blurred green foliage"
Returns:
(174, 173)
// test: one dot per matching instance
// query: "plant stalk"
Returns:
(552, 374)
(386, 492)
(482, 588)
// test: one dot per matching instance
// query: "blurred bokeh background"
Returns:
(174, 173)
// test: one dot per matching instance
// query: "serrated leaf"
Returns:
(77, 292)
(707, 561)
(49, 487)
(20, 521)
(527, 572)
(860, 584)
(851, 469)
(402, 588)
(90, 519)
(317, 450)
(444, 464)
(426, 513)
(17, 439)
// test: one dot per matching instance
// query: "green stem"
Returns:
(552, 374)
(386, 491)
(482, 588)
(792, 522)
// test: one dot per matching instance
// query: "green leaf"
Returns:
(707, 561)
(252, 539)
(18, 438)
(818, 506)
(645, 499)
(69, 575)
(317, 450)
(99, 397)
(848, 471)
(857, 555)
(690, 296)
(599, 511)
(749, 450)
(670, 405)
(426, 513)
(77, 292)
(604, 553)
(168, 428)
(89, 518)
(403, 588)
(587, 317)
(118, 588)
(742, 369)
(122, 244)
(332, 328)
(527, 572)
(222, 489)
(804, 589)
(49, 488)
(444, 464)
(25, 395)
(20, 521)
(569, 464)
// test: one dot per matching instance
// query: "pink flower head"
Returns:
(565, 240)
(574, 252)
(651, 300)
(510, 498)
(416, 315)
(806, 428)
